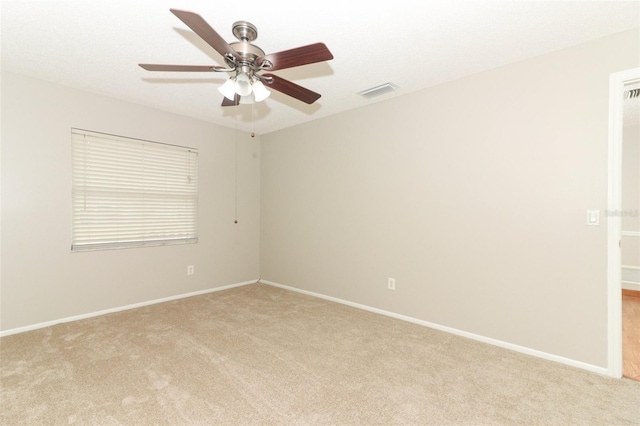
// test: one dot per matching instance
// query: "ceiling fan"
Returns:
(247, 61)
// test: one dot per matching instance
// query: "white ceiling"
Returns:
(96, 46)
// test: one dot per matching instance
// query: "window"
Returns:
(131, 193)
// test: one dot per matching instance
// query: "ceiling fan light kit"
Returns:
(246, 61)
(243, 84)
(228, 89)
(260, 93)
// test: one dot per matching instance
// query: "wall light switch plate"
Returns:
(593, 217)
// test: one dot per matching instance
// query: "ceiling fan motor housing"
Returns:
(246, 32)
(247, 51)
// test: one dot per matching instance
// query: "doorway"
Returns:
(620, 83)
(630, 238)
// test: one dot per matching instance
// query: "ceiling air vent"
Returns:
(378, 90)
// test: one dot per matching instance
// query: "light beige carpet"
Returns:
(261, 355)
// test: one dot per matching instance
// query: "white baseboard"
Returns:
(629, 285)
(631, 277)
(491, 341)
(119, 309)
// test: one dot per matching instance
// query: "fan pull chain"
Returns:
(235, 134)
(253, 134)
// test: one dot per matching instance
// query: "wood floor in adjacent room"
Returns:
(631, 334)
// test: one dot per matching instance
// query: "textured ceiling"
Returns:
(96, 46)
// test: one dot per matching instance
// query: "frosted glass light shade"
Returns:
(228, 89)
(243, 84)
(259, 91)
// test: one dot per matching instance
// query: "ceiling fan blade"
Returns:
(227, 102)
(304, 55)
(289, 88)
(192, 68)
(204, 30)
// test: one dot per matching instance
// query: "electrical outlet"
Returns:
(391, 284)
(190, 270)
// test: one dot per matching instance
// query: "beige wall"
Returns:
(472, 195)
(41, 279)
(631, 194)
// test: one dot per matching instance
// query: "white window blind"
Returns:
(131, 193)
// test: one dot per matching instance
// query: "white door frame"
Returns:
(617, 82)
